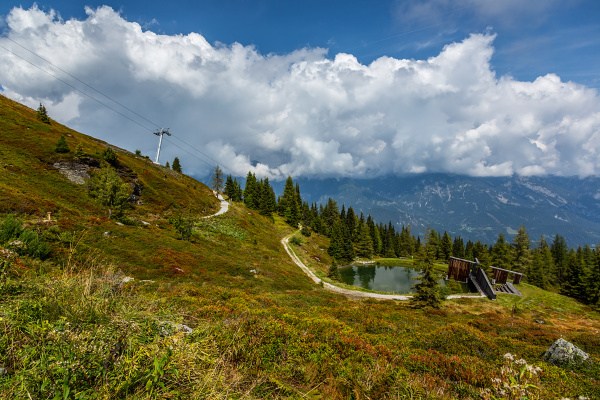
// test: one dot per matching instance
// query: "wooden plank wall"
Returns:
(500, 277)
(458, 269)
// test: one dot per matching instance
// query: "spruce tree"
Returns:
(61, 145)
(427, 290)
(574, 276)
(109, 190)
(458, 247)
(229, 190)
(364, 243)
(502, 253)
(351, 222)
(251, 191)
(446, 246)
(329, 216)
(406, 242)
(593, 281)
(541, 265)
(288, 205)
(42, 114)
(560, 255)
(176, 166)
(336, 245)
(522, 254)
(217, 180)
(266, 199)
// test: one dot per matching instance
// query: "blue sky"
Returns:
(320, 88)
(532, 39)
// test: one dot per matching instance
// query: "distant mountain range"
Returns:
(474, 208)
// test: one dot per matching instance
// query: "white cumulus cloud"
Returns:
(305, 113)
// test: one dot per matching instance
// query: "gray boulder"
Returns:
(562, 352)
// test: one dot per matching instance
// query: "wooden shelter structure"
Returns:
(459, 269)
(500, 275)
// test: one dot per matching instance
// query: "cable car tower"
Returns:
(160, 134)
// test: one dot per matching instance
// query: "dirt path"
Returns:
(349, 292)
(224, 207)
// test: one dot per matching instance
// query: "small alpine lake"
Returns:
(399, 278)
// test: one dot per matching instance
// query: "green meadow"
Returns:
(123, 308)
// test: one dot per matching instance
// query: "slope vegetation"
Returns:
(129, 310)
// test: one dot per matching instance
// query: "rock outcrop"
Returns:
(562, 352)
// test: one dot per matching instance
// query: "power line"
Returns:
(108, 106)
(84, 83)
(77, 89)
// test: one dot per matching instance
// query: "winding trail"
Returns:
(349, 292)
(224, 207)
(326, 285)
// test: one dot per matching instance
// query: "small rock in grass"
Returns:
(168, 328)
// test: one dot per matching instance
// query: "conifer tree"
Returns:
(336, 246)
(167, 165)
(348, 253)
(251, 196)
(229, 190)
(364, 243)
(288, 205)
(217, 180)
(433, 241)
(574, 278)
(458, 247)
(406, 242)
(501, 255)
(541, 265)
(427, 290)
(351, 222)
(446, 246)
(469, 251)
(560, 252)
(481, 252)
(42, 114)
(329, 216)
(61, 145)
(109, 190)
(593, 281)
(176, 165)
(388, 241)
(522, 254)
(267, 203)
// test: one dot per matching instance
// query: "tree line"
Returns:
(555, 266)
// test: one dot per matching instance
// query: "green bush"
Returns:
(33, 245)
(183, 226)
(23, 241)
(109, 156)
(10, 228)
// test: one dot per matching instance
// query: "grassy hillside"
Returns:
(73, 326)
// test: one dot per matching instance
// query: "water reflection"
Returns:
(399, 279)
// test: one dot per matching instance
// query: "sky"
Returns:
(319, 88)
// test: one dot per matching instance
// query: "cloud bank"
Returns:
(304, 113)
